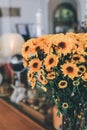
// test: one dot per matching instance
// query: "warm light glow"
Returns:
(11, 44)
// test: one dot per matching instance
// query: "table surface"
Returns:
(12, 119)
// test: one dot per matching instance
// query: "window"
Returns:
(12, 12)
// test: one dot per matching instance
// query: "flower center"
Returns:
(76, 58)
(29, 75)
(62, 83)
(70, 69)
(65, 105)
(86, 49)
(41, 77)
(37, 48)
(26, 48)
(51, 60)
(62, 45)
(35, 65)
(81, 69)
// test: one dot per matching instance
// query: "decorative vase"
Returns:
(57, 121)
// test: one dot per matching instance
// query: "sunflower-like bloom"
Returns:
(45, 43)
(85, 49)
(41, 71)
(82, 69)
(80, 115)
(50, 61)
(65, 105)
(51, 75)
(69, 69)
(37, 46)
(77, 58)
(33, 82)
(63, 43)
(81, 39)
(26, 50)
(42, 79)
(62, 84)
(71, 34)
(30, 76)
(76, 82)
(31, 79)
(25, 63)
(35, 65)
(84, 77)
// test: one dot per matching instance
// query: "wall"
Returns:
(29, 10)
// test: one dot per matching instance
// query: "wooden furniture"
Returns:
(12, 119)
(37, 115)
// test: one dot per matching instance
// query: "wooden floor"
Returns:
(12, 119)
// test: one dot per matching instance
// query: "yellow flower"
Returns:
(84, 77)
(80, 115)
(45, 43)
(35, 65)
(65, 105)
(26, 50)
(25, 63)
(82, 69)
(76, 83)
(33, 82)
(77, 58)
(42, 79)
(51, 75)
(62, 84)
(69, 69)
(63, 43)
(30, 76)
(57, 100)
(41, 71)
(50, 61)
(37, 46)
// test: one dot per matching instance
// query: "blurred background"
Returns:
(21, 20)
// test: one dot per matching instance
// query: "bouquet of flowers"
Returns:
(58, 63)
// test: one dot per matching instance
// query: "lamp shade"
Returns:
(11, 44)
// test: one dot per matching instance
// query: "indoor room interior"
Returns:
(21, 107)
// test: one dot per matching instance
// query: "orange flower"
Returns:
(30, 76)
(69, 69)
(45, 42)
(51, 75)
(84, 77)
(65, 105)
(25, 63)
(62, 84)
(42, 79)
(63, 43)
(50, 61)
(35, 65)
(33, 82)
(26, 50)
(82, 69)
(77, 58)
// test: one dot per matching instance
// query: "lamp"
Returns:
(11, 44)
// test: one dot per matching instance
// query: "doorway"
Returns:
(64, 19)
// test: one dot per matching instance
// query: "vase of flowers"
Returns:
(58, 65)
